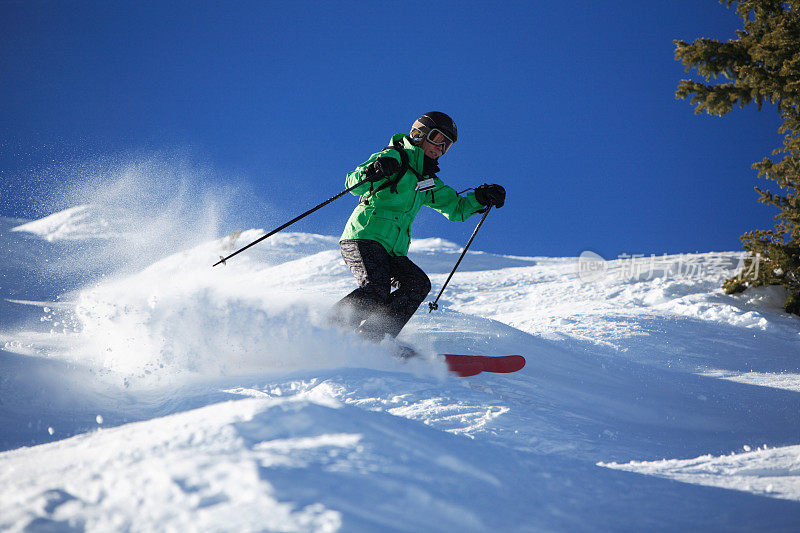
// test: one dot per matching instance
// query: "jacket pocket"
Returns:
(387, 225)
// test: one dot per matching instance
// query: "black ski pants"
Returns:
(373, 309)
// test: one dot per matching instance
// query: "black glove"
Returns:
(491, 195)
(383, 167)
(429, 166)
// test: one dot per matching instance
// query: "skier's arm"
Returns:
(447, 201)
(362, 170)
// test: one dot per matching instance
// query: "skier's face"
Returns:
(434, 151)
(436, 143)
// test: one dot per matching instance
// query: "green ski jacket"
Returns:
(386, 216)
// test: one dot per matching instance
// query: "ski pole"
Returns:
(276, 230)
(433, 305)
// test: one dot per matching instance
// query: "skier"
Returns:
(402, 177)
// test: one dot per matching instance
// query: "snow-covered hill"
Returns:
(169, 395)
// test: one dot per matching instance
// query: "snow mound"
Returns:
(772, 472)
(180, 478)
(433, 244)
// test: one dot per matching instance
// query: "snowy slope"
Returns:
(169, 395)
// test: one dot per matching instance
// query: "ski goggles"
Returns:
(439, 138)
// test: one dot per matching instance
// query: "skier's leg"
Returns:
(369, 263)
(413, 285)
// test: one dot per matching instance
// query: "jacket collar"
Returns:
(415, 154)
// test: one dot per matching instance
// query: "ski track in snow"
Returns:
(168, 395)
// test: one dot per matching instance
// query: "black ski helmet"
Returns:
(434, 120)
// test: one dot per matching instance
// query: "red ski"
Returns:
(470, 365)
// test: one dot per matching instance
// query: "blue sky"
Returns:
(569, 105)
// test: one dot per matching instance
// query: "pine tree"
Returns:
(762, 65)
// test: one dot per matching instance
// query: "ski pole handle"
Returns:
(284, 226)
